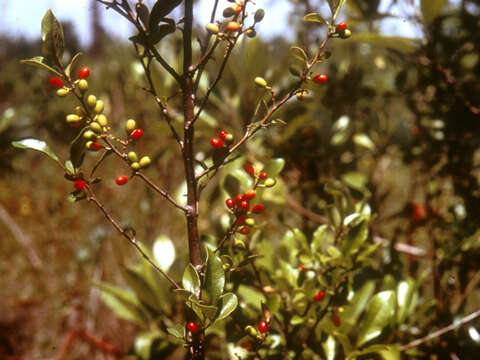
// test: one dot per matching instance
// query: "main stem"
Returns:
(189, 132)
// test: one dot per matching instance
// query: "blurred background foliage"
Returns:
(397, 125)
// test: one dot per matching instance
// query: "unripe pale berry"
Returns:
(89, 134)
(95, 127)
(319, 296)
(99, 105)
(121, 180)
(135, 166)
(62, 92)
(258, 208)
(102, 120)
(229, 138)
(130, 125)
(229, 202)
(250, 222)
(72, 118)
(239, 244)
(342, 26)
(270, 182)
(145, 161)
(250, 194)
(216, 143)
(192, 326)
(346, 34)
(91, 100)
(227, 12)
(80, 184)
(250, 330)
(251, 33)
(83, 73)
(249, 169)
(132, 156)
(233, 26)
(55, 82)
(212, 28)
(320, 78)
(83, 85)
(136, 134)
(261, 82)
(263, 327)
(244, 230)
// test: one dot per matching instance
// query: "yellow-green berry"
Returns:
(89, 134)
(145, 161)
(62, 92)
(91, 100)
(250, 330)
(132, 156)
(212, 28)
(99, 105)
(270, 182)
(261, 82)
(72, 118)
(229, 138)
(239, 244)
(250, 222)
(130, 125)
(102, 120)
(83, 85)
(135, 166)
(96, 127)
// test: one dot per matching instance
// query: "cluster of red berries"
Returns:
(224, 138)
(342, 30)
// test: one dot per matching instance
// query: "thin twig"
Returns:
(442, 331)
(131, 239)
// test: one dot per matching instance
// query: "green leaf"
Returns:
(142, 13)
(191, 280)
(297, 320)
(357, 305)
(329, 347)
(71, 64)
(335, 7)
(388, 352)
(145, 342)
(122, 302)
(319, 236)
(405, 294)
(227, 303)
(315, 17)
(158, 32)
(299, 53)
(356, 180)
(402, 44)
(379, 314)
(356, 237)
(52, 38)
(69, 167)
(178, 330)
(37, 145)
(39, 61)
(431, 9)
(214, 277)
(364, 140)
(202, 310)
(161, 9)
(139, 285)
(77, 150)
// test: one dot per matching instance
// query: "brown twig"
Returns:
(442, 331)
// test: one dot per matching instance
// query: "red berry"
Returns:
(80, 184)
(83, 73)
(249, 169)
(239, 198)
(320, 78)
(229, 203)
(342, 26)
(192, 326)
(263, 175)
(244, 205)
(302, 268)
(95, 146)
(244, 231)
(336, 320)
(263, 326)
(121, 180)
(418, 212)
(216, 143)
(56, 82)
(241, 220)
(222, 134)
(258, 208)
(319, 296)
(250, 194)
(136, 134)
